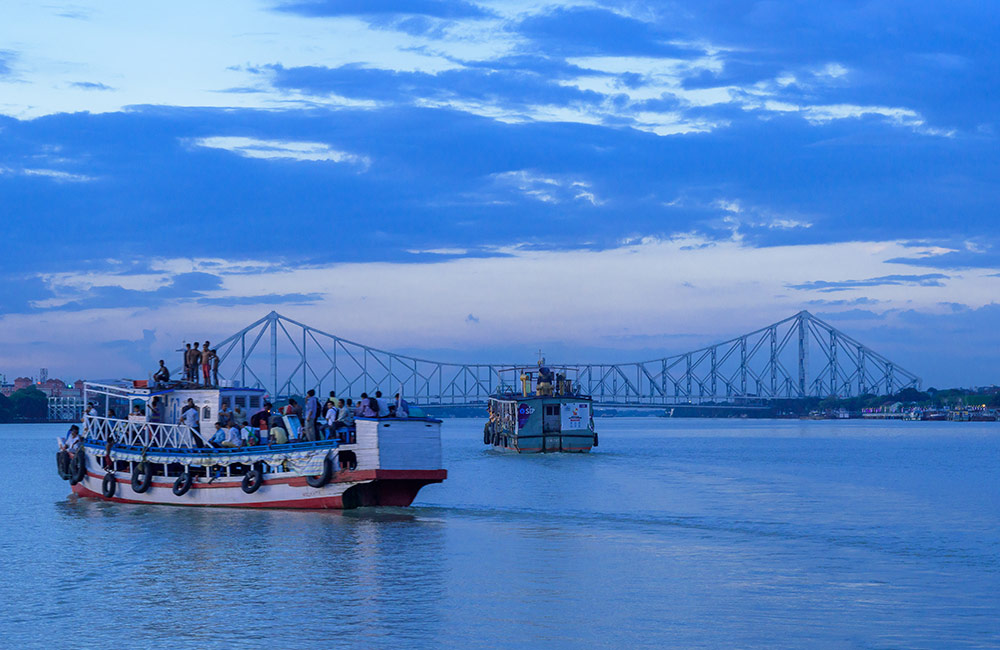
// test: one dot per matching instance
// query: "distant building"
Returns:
(22, 382)
(6, 389)
(43, 375)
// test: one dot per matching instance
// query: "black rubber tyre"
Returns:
(252, 481)
(182, 484)
(486, 433)
(140, 486)
(62, 465)
(324, 478)
(78, 467)
(109, 485)
(595, 438)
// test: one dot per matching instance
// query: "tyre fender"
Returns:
(182, 484)
(323, 478)
(78, 467)
(252, 481)
(141, 485)
(109, 485)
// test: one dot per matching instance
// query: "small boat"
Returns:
(141, 459)
(554, 417)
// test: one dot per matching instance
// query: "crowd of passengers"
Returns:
(270, 425)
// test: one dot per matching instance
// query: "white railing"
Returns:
(142, 434)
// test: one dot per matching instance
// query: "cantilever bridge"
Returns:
(800, 356)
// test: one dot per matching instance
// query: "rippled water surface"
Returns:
(683, 533)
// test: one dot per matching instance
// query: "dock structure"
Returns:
(800, 356)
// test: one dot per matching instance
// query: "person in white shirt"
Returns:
(232, 438)
(332, 412)
(381, 406)
(71, 441)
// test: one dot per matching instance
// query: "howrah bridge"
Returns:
(798, 357)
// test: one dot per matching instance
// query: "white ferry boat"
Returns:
(138, 459)
(554, 417)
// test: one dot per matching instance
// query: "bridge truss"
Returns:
(800, 356)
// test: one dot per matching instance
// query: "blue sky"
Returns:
(474, 180)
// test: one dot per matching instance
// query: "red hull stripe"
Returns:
(430, 475)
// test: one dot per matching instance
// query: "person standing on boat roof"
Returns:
(206, 362)
(162, 375)
(193, 364)
(215, 367)
(312, 410)
(187, 361)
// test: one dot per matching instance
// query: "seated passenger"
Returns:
(249, 435)
(278, 435)
(367, 408)
(345, 414)
(402, 407)
(72, 441)
(380, 406)
(162, 375)
(232, 438)
(219, 437)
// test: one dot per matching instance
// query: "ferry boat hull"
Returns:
(348, 489)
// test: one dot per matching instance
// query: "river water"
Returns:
(681, 533)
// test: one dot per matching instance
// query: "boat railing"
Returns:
(136, 433)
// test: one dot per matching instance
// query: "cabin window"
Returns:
(254, 401)
(552, 409)
(206, 413)
(241, 401)
(225, 401)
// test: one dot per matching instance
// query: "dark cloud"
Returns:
(982, 259)
(585, 31)
(184, 286)
(434, 8)
(926, 280)
(90, 85)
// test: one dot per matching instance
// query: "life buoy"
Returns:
(252, 481)
(78, 467)
(62, 465)
(140, 469)
(486, 433)
(324, 478)
(109, 485)
(182, 484)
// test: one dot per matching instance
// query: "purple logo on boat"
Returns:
(524, 411)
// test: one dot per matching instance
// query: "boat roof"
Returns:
(126, 388)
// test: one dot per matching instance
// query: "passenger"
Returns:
(249, 435)
(226, 416)
(359, 408)
(71, 442)
(333, 398)
(402, 407)
(219, 437)
(206, 362)
(294, 410)
(153, 410)
(259, 419)
(332, 412)
(215, 367)
(381, 405)
(238, 414)
(312, 412)
(194, 364)
(189, 416)
(187, 361)
(233, 437)
(345, 414)
(368, 410)
(276, 431)
(137, 411)
(162, 375)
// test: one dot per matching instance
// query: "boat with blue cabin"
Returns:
(147, 454)
(546, 413)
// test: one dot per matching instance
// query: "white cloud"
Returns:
(57, 175)
(282, 150)
(547, 189)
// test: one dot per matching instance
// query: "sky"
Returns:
(473, 181)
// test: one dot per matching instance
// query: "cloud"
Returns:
(926, 280)
(6, 59)
(434, 8)
(281, 150)
(547, 189)
(472, 319)
(58, 175)
(179, 287)
(578, 31)
(90, 85)
(270, 299)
